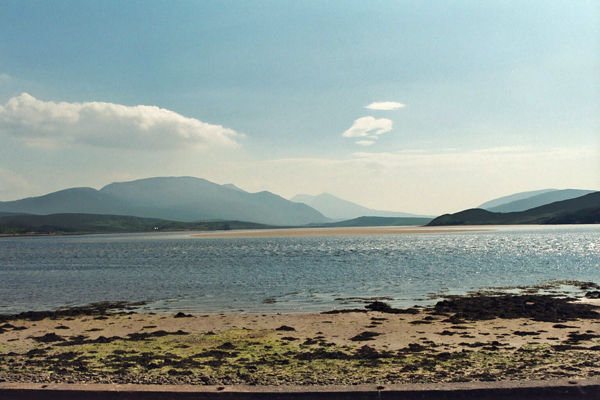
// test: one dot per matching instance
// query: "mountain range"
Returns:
(174, 198)
(340, 209)
(527, 200)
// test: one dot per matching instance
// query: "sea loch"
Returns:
(177, 271)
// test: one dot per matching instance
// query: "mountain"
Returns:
(539, 200)
(172, 198)
(582, 210)
(512, 197)
(195, 199)
(102, 223)
(336, 208)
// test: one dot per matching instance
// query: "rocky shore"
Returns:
(546, 332)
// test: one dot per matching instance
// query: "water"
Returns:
(287, 274)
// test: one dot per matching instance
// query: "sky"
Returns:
(424, 107)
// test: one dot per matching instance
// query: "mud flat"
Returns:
(522, 334)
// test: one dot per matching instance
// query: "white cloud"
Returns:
(369, 126)
(110, 125)
(384, 105)
(365, 142)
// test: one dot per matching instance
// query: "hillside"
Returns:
(583, 210)
(185, 199)
(512, 197)
(335, 208)
(97, 223)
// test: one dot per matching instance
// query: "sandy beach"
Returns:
(474, 338)
(367, 230)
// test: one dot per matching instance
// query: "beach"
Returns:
(480, 337)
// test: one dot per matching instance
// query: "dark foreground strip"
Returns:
(582, 389)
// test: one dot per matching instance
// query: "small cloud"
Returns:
(384, 105)
(369, 126)
(49, 124)
(4, 78)
(502, 149)
(365, 142)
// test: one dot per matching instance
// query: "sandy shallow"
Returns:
(368, 230)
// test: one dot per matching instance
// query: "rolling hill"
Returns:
(582, 210)
(74, 200)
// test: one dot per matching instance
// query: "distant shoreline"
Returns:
(282, 231)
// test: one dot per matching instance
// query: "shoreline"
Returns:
(306, 231)
(480, 337)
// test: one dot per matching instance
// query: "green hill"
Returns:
(580, 210)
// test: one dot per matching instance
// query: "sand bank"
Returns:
(368, 230)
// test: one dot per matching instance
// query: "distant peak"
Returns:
(325, 194)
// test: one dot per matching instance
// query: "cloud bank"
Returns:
(426, 181)
(365, 142)
(384, 105)
(109, 125)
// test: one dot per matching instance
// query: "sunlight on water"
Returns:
(291, 274)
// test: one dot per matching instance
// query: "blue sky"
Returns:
(498, 97)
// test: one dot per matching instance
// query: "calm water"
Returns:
(180, 272)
